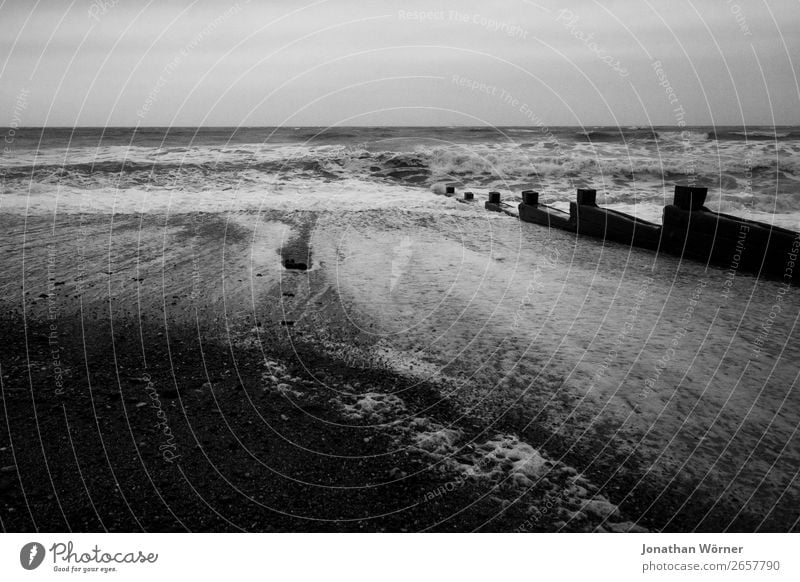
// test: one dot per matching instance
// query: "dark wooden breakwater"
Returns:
(689, 230)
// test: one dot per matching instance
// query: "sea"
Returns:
(751, 171)
(686, 372)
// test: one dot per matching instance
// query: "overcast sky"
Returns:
(377, 62)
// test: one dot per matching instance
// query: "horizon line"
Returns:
(619, 126)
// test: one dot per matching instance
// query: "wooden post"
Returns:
(530, 197)
(587, 197)
(690, 198)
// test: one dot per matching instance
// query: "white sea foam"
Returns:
(375, 406)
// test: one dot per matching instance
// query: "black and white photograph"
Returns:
(516, 267)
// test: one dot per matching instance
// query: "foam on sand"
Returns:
(516, 468)
(374, 406)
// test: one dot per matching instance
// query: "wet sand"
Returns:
(166, 372)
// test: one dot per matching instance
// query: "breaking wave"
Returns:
(753, 169)
(478, 165)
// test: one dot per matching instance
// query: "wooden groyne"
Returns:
(689, 230)
(495, 204)
(531, 211)
(693, 231)
(592, 220)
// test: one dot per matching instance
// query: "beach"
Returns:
(435, 367)
(180, 378)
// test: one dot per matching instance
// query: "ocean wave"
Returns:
(758, 135)
(424, 165)
(618, 135)
(623, 135)
(685, 136)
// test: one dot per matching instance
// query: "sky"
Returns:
(379, 62)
